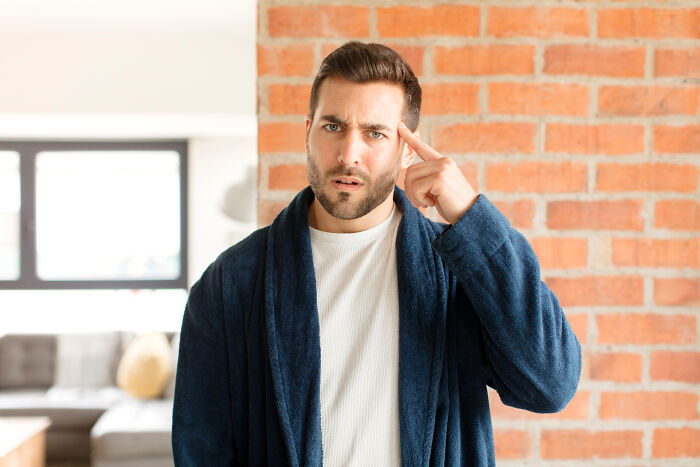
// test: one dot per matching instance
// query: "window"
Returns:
(89, 215)
(9, 215)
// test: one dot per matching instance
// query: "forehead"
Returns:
(374, 100)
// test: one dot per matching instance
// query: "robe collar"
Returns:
(293, 336)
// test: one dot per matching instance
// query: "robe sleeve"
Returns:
(533, 355)
(202, 432)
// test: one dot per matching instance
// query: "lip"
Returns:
(337, 183)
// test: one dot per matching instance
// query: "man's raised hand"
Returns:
(437, 181)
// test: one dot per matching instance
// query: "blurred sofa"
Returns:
(72, 380)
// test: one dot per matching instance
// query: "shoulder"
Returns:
(245, 252)
(236, 263)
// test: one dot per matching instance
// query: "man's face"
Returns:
(354, 152)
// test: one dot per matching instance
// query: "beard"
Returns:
(343, 207)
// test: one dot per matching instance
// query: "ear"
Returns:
(408, 154)
(307, 123)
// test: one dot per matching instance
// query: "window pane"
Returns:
(9, 215)
(104, 215)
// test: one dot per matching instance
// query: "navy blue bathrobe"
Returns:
(473, 312)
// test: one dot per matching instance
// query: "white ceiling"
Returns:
(123, 16)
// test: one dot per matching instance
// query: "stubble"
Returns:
(343, 207)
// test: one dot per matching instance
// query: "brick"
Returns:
(471, 173)
(287, 177)
(605, 139)
(538, 99)
(677, 214)
(646, 329)
(318, 21)
(289, 99)
(682, 178)
(561, 253)
(497, 137)
(675, 442)
(537, 22)
(495, 59)
(615, 366)
(327, 48)
(676, 291)
(281, 137)
(656, 253)
(413, 55)
(594, 60)
(435, 20)
(450, 98)
(649, 23)
(577, 409)
(647, 101)
(585, 444)
(675, 366)
(596, 215)
(519, 213)
(291, 60)
(512, 444)
(268, 210)
(598, 290)
(537, 177)
(677, 139)
(579, 324)
(648, 406)
(677, 62)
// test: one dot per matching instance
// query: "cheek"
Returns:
(322, 148)
(390, 157)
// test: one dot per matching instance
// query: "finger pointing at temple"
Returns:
(424, 151)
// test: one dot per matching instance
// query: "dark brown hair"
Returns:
(361, 63)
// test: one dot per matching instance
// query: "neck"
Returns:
(320, 219)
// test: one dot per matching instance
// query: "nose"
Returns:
(350, 150)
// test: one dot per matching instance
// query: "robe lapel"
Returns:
(422, 312)
(293, 337)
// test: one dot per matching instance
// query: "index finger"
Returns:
(424, 151)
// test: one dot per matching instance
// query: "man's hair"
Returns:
(361, 63)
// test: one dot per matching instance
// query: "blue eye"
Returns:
(332, 127)
(376, 135)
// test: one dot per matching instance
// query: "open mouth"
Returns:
(347, 183)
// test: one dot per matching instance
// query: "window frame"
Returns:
(28, 150)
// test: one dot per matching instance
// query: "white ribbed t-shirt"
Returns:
(358, 311)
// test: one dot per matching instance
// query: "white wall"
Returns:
(188, 73)
(223, 173)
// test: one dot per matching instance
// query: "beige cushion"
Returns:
(146, 366)
(174, 351)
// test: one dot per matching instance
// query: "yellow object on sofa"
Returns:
(146, 366)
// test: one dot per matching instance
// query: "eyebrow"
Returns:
(365, 126)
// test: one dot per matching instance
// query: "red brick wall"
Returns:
(581, 120)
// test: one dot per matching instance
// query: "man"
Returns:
(354, 331)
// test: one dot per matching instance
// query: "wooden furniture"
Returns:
(23, 441)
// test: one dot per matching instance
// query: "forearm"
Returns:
(533, 354)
